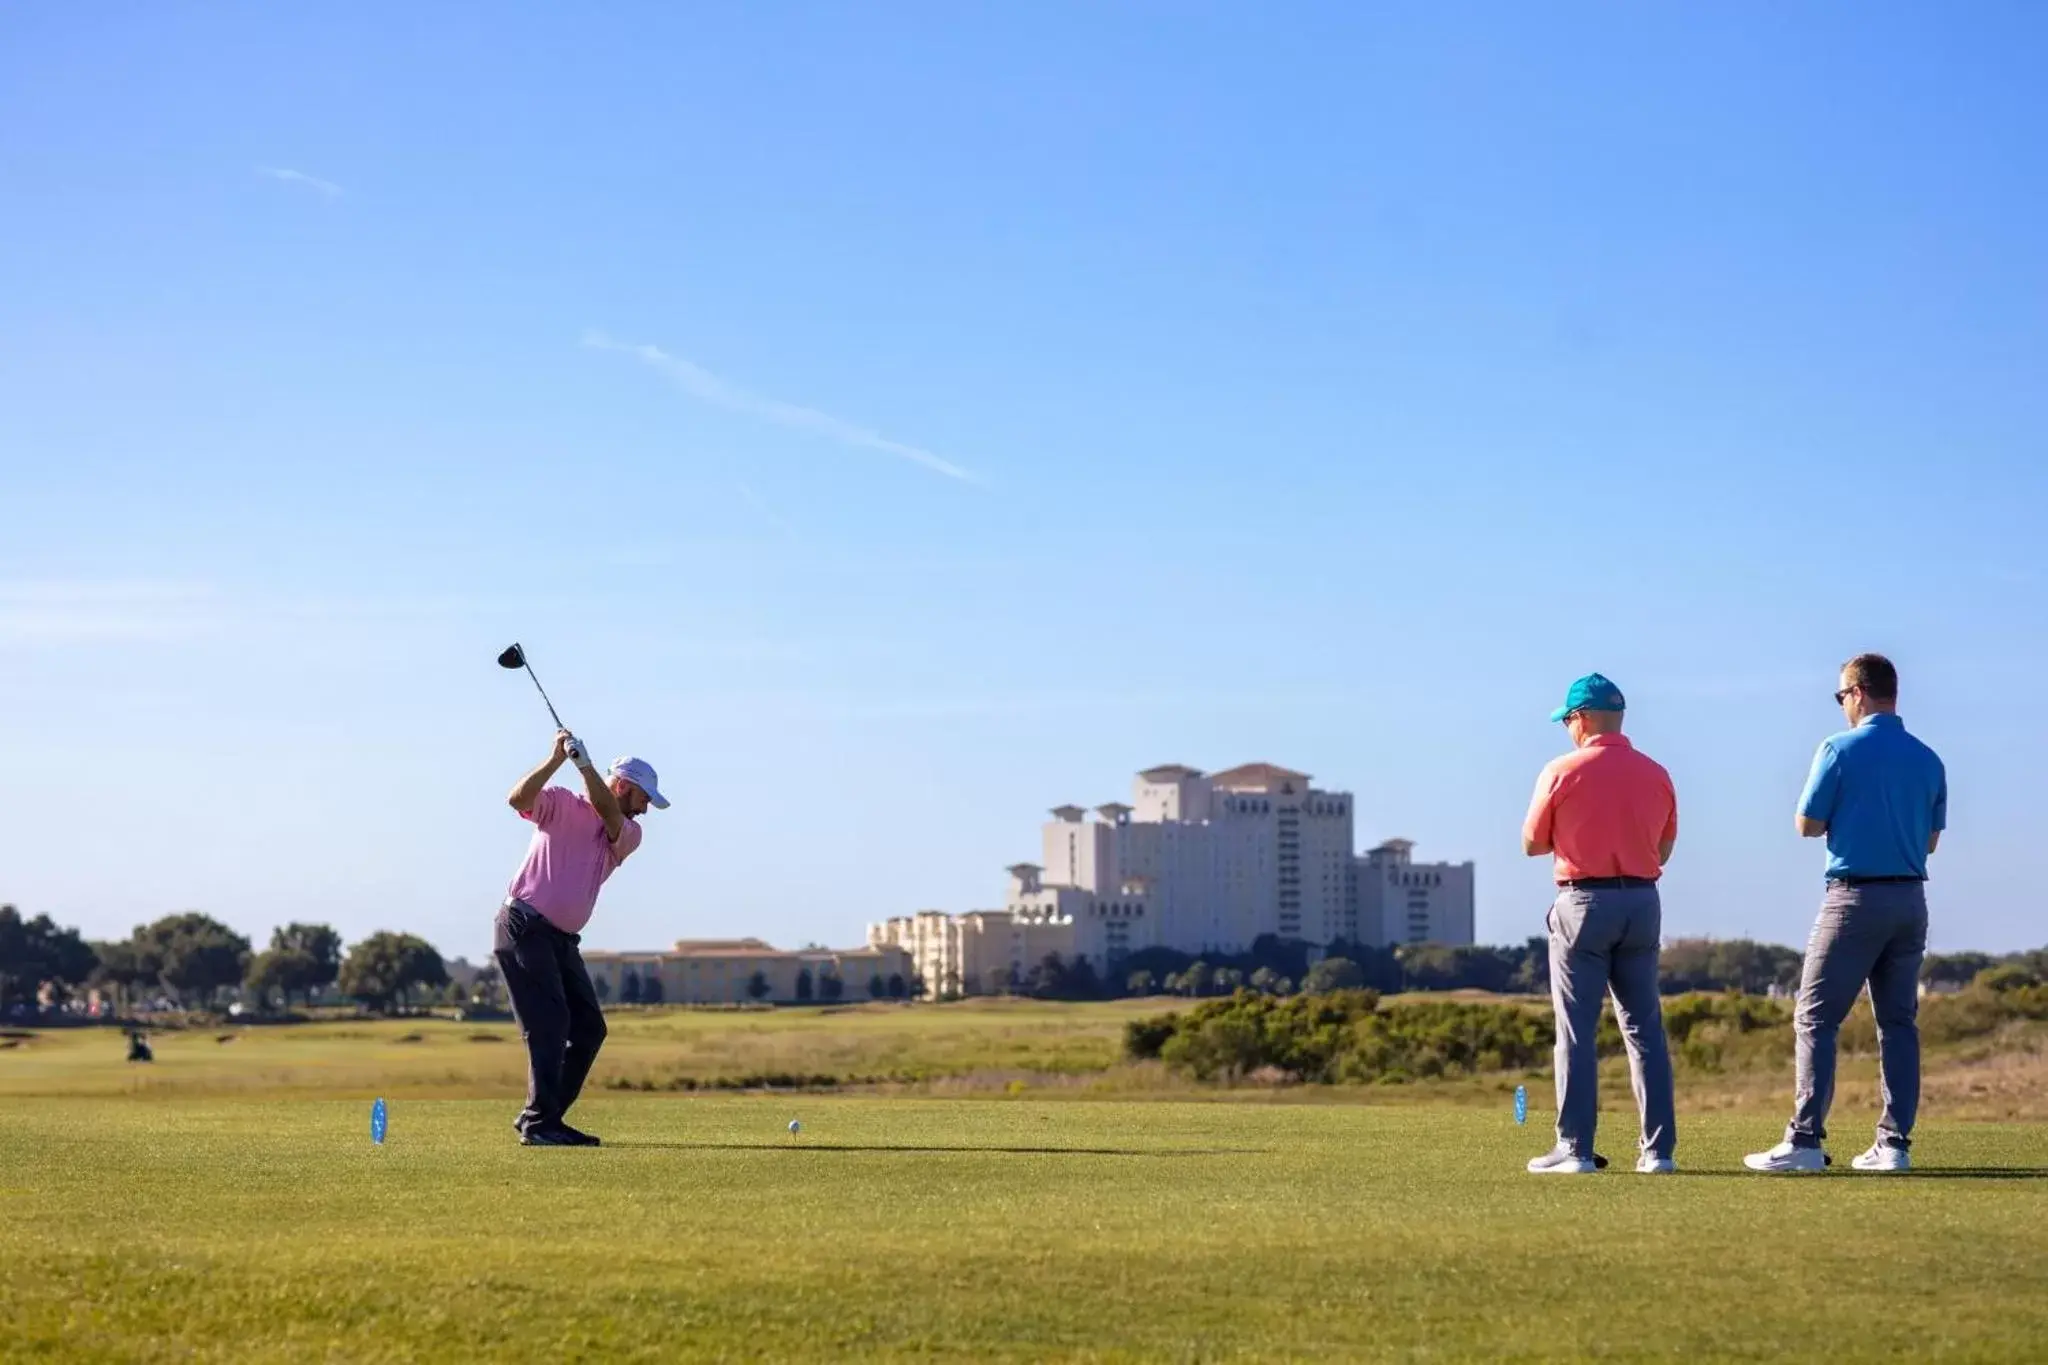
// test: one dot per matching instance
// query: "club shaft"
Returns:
(544, 696)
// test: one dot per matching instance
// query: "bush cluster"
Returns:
(1352, 1036)
(1347, 1035)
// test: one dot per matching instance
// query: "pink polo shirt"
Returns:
(1603, 808)
(569, 858)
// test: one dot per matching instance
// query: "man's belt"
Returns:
(1851, 879)
(514, 903)
(1606, 883)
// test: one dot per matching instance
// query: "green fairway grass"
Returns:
(253, 1229)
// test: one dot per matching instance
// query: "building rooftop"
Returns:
(1257, 777)
(719, 945)
(1070, 814)
(737, 947)
(1170, 772)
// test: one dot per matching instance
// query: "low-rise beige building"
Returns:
(740, 971)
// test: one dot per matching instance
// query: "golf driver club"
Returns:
(515, 657)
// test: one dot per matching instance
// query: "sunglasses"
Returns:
(1845, 692)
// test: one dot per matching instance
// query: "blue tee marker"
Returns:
(379, 1118)
(1521, 1104)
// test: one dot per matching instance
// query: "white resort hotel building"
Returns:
(1196, 863)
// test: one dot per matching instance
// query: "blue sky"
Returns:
(895, 420)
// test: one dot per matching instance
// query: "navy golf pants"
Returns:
(556, 1007)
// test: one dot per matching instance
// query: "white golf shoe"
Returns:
(1786, 1159)
(1652, 1164)
(1562, 1161)
(1884, 1158)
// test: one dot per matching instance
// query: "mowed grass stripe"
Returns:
(234, 1230)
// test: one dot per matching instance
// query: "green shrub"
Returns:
(1351, 1036)
(1979, 1010)
(2010, 976)
(1144, 1037)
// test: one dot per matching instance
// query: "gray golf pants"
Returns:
(1605, 940)
(1874, 933)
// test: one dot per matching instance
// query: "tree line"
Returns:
(1277, 967)
(192, 960)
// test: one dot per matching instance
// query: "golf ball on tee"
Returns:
(795, 1127)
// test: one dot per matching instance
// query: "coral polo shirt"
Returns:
(1603, 808)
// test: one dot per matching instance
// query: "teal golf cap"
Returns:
(1590, 693)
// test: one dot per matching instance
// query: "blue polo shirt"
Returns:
(1882, 793)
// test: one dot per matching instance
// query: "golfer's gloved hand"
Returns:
(579, 755)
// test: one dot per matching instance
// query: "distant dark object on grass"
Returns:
(6, 1043)
(224, 1038)
(486, 1037)
(760, 1080)
(410, 1038)
(272, 1017)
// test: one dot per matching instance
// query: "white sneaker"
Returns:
(1561, 1161)
(1885, 1158)
(1656, 1165)
(1785, 1159)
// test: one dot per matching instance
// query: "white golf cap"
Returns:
(640, 774)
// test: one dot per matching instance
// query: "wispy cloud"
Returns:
(73, 611)
(326, 189)
(707, 387)
(769, 514)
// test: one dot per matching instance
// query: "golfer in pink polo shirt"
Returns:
(1608, 817)
(578, 842)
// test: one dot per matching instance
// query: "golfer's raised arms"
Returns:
(527, 789)
(603, 799)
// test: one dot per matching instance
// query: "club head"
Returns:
(514, 657)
